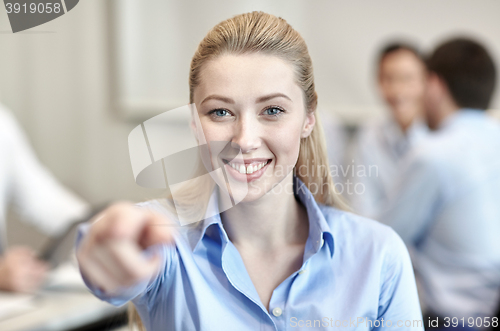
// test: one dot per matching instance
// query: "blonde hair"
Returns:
(267, 34)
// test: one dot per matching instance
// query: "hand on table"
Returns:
(21, 270)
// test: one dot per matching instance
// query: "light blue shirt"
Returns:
(356, 275)
(447, 209)
(376, 157)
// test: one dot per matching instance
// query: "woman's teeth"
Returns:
(249, 169)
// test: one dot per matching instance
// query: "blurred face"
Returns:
(402, 84)
(253, 102)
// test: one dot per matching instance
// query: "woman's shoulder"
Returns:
(336, 217)
(352, 230)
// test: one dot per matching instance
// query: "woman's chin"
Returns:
(253, 192)
(251, 195)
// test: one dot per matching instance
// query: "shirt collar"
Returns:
(212, 218)
(319, 230)
(463, 115)
(399, 141)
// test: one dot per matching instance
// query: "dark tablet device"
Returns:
(58, 249)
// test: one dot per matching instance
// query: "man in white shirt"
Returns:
(36, 197)
(379, 146)
(447, 205)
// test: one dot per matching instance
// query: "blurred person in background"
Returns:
(37, 197)
(447, 207)
(380, 146)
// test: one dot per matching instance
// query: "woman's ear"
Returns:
(308, 125)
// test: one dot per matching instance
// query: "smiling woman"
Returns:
(278, 254)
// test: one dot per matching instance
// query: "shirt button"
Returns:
(277, 311)
(302, 271)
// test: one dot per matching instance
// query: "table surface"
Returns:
(60, 310)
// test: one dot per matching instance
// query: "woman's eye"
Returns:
(220, 112)
(273, 111)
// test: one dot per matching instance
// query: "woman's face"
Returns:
(253, 103)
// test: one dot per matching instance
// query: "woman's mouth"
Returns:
(248, 170)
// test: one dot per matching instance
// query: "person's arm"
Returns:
(399, 307)
(33, 191)
(120, 252)
(415, 199)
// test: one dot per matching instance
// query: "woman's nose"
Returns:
(246, 135)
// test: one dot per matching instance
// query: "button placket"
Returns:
(278, 303)
(277, 311)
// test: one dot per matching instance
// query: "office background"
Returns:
(79, 84)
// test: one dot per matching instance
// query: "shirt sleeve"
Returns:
(414, 200)
(33, 191)
(399, 306)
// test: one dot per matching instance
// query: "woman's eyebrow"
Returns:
(217, 97)
(272, 96)
(259, 100)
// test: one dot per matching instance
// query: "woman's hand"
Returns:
(21, 271)
(111, 254)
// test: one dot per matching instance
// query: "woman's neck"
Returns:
(271, 222)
